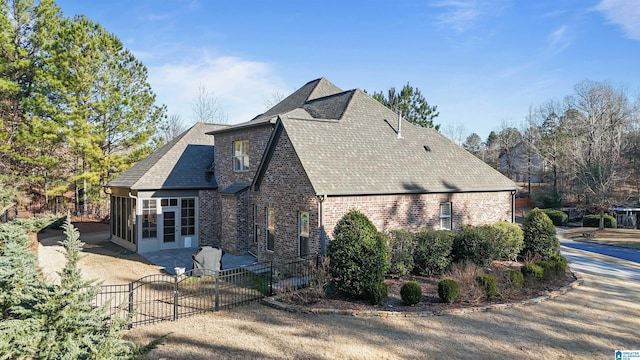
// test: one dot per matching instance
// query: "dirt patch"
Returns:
(102, 260)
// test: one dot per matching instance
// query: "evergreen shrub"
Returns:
(488, 284)
(432, 254)
(539, 236)
(448, 290)
(532, 271)
(594, 221)
(411, 293)
(358, 255)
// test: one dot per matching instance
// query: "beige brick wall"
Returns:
(223, 156)
(233, 228)
(414, 211)
(286, 188)
(208, 217)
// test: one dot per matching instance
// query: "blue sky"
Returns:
(483, 63)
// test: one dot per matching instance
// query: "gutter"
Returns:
(323, 236)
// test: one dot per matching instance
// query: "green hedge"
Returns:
(432, 254)
(558, 218)
(594, 221)
(401, 250)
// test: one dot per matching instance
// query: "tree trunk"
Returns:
(601, 226)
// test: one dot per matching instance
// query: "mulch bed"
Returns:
(471, 295)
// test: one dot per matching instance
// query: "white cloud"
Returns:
(559, 39)
(461, 15)
(240, 85)
(624, 13)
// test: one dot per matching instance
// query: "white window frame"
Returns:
(241, 155)
(271, 229)
(149, 218)
(445, 216)
(303, 231)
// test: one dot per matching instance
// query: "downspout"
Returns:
(323, 237)
(513, 206)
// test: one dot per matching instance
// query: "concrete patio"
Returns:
(170, 259)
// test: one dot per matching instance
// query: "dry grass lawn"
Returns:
(628, 238)
(589, 322)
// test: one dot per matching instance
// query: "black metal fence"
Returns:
(163, 297)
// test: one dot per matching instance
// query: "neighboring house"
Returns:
(521, 165)
(284, 179)
(156, 204)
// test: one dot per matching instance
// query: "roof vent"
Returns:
(399, 126)
(427, 148)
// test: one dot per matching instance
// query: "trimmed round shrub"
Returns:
(476, 244)
(548, 267)
(509, 240)
(558, 218)
(448, 290)
(432, 254)
(594, 221)
(539, 236)
(411, 293)
(488, 284)
(515, 278)
(560, 264)
(401, 249)
(358, 255)
(378, 292)
(532, 271)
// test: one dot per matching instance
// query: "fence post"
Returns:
(217, 275)
(175, 297)
(130, 307)
(271, 279)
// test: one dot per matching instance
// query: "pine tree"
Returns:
(74, 327)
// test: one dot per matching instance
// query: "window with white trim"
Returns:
(271, 229)
(445, 216)
(303, 233)
(149, 219)
(241, 155)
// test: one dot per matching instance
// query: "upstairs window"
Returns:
(241, 155)
(445, 216)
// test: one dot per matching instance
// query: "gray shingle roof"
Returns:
(301, 98)
(360, 153)
(180, 164)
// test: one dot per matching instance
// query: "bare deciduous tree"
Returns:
(205, 107)
(598, 117)
(275, 98)
(172, 127)
(456, 133)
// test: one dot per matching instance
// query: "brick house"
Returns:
(284, 179)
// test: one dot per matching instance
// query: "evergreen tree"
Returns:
(411, 104)
(42, 321)
(72, 324)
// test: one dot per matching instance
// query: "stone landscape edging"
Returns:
(273, 302)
